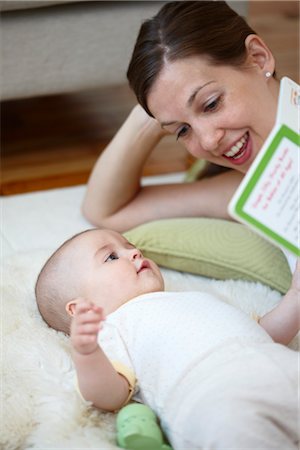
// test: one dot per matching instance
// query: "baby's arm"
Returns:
(283, 322)
(98, 380)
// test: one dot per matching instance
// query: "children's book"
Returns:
(268, 198)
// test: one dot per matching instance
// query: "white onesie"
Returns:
(162, 335)
(168, 337)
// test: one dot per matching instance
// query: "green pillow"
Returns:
(213, 248)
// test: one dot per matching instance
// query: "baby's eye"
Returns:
(111, 257)
(182, 132)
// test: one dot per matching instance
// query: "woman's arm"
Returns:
(283, 322)
(115, 178)
(98, 381)
(115, 198)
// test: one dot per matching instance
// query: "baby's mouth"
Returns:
(143, 266)
(237, 150)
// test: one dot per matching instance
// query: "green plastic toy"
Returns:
(137, 429)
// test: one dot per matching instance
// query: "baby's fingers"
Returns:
(85, 343)
(87, 339)
(89, 328)
(87, 312)
(85, 306)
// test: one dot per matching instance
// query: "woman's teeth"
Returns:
(235, 149)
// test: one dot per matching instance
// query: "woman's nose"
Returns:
(209, 139)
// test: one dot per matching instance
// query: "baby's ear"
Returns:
(71, 306)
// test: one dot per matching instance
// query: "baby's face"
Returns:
(110, 270)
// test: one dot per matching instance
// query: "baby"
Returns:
(214, 376)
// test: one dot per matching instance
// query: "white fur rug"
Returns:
(41, 410)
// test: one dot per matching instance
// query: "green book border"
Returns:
(283, 132)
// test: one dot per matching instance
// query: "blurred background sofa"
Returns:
(65, 46)
(53, 47)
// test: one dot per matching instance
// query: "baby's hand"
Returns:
(85, 326)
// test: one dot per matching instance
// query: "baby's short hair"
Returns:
(53, 289)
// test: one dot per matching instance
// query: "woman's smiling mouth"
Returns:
(240, 152)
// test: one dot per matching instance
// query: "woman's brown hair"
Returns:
(182, 29)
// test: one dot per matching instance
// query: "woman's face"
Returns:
(219, 113)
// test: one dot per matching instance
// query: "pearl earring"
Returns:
(268, 74)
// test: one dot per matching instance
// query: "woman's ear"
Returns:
(259, 54)
(71, 306)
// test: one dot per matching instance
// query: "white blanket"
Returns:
(41, 410)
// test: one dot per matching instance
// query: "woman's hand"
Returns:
(144, 121)
(283, 322)
(85, 326)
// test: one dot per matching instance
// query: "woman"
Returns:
(201, 73)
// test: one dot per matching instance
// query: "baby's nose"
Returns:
(135, 253)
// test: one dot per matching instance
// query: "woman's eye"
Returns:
(111, 257)
(182, 132)
(213, 105)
